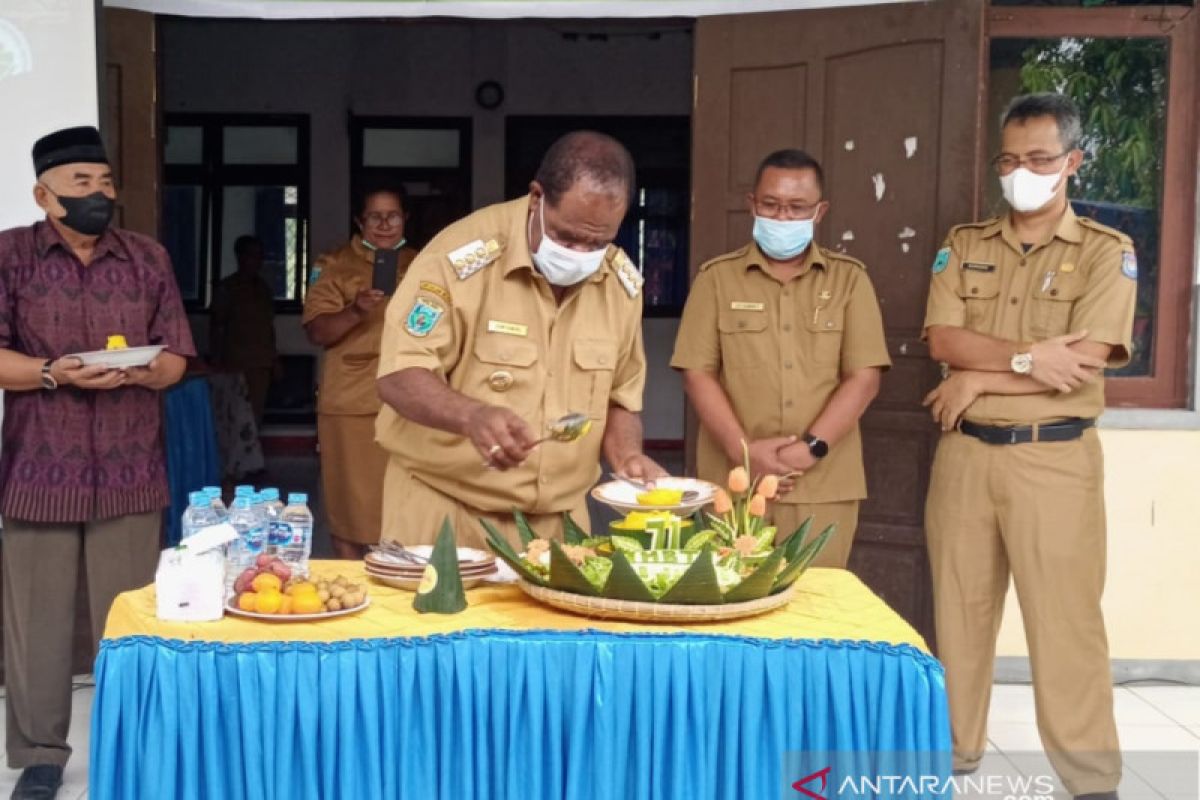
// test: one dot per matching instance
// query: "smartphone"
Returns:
(383, 278)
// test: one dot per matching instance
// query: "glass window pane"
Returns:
(410, 147)
(261, 144)
(182, 218)
(1120, 86)
(263, 211)
(184, 145)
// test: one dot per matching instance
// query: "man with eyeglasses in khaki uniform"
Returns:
(1026, 310)
(781, 346)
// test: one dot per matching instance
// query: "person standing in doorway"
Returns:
(343, 312)
(82, 466)
(1025, 311)
(781, 347)
(242, 333)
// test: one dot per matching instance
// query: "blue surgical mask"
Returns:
(782, 239)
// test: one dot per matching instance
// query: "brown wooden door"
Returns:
(888, 99)
(129, 115)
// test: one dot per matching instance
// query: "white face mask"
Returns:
(1027, 191)
(561, 265)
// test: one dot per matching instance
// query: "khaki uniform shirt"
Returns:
(1083, 278)
(779, 350)
(244, 308)
(349, 367)
(474, 311)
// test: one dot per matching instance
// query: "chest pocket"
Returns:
(1053, 303)
(826, 325)
(979, 291)
(744, 340)
(592, 375)
(506, 372)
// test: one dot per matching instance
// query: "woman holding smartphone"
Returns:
(343, 312)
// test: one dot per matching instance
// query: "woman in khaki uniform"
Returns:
(344, 314)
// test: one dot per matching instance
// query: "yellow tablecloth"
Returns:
(829, 604)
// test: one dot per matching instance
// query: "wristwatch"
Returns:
(1022, 363)
(48, 382)
(816, 445)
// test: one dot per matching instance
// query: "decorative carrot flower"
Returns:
(769, 486)
(739, 479)
(758, 505)
(721, 502)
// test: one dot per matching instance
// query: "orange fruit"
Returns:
(301, 587)
(285, 605)
(245, 601)
(266, 582)
(307, 603)
(268, 602)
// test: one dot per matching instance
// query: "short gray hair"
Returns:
(1047, 104)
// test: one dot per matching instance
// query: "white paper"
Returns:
(206, 539)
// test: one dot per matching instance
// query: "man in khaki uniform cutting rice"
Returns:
(510, 318)
(781, 346)
(1026, 310)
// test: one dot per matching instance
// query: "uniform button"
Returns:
(1023, 262)
(1013, 300)
(741, 323)
(974, 290)
(1054, 292)
(787, 403)
(545, 479)
(829, 324)
(602, 360)
(787, 365)
(787, 327)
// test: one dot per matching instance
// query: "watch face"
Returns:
(818, 447)
(1022, 363)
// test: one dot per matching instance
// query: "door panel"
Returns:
(130, 116)
(888, 99)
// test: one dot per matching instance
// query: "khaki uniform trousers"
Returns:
(413, 513)
(352, 467)
(1036, 511)
(787, 517)
(41, 563)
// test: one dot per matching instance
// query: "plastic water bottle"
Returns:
(214, 499)
(299, 523)
(277, 532)
(244, 490)
(251, 539)
(199, 514)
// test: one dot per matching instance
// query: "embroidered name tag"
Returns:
(737, 305)
(511, 328)
(977, 266)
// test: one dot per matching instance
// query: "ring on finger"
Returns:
(493, 450)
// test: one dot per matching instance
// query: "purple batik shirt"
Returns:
(73, 455)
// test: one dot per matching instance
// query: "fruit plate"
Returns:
(120, 359)
(605, 608)
(623, 496)
(237, 612)
(411, 584)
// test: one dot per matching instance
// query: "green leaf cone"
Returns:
(500, 546)
(697, 586)
(565, 576)
(758, 583)
(572, 533)
(624, 583)
(441, 589)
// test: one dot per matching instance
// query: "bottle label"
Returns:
(281, 533)
(298, 536)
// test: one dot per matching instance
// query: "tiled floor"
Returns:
(1150, 718)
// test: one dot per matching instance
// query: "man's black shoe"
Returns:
(39, 782)
(1097, 796)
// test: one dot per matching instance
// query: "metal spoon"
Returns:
(567, 428)
(394, 548)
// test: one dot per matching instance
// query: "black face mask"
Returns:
(88, 215)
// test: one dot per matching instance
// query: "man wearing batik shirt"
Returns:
(81, 462)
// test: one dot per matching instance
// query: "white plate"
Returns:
(411, 584)
(467, 557)
(237, 612)
(121, 359)
(623, 496)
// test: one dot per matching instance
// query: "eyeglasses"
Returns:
(777, 210)
(1007, 162)
(377, 218)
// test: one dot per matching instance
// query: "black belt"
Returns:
(1022, 434)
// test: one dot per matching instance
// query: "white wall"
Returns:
(330, 70)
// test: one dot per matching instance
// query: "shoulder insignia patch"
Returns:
(473, 256)
(1092, 225)
(628, 273)
(313, 275)
(942, 259)
(423, 317)
(1129, 265)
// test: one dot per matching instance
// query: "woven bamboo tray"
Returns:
(604, 608)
